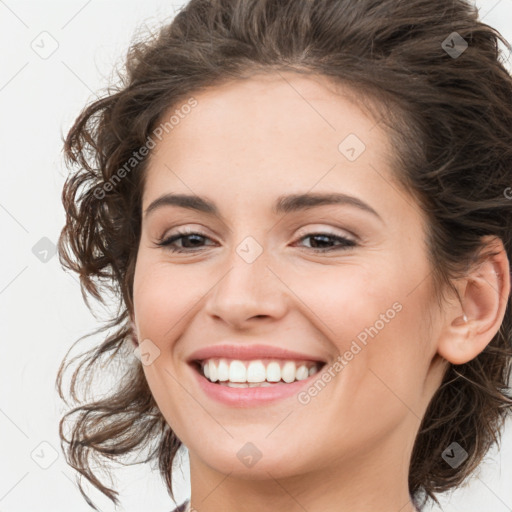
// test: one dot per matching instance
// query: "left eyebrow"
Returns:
(296, 202)
(283, 204)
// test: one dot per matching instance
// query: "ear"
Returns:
(484, 292)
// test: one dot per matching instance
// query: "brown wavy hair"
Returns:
(448, 116)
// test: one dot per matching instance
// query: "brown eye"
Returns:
(190, 241)
(323, 239)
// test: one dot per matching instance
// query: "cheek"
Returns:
(394, 357)
(375, 317)
(162, 298)
(346, 301)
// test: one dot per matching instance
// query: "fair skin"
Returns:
(245, 144)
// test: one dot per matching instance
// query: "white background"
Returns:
(41, 308)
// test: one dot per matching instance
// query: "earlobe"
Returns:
(471, 325)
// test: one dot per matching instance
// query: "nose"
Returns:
(247, 292)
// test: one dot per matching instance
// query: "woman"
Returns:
(303, 207)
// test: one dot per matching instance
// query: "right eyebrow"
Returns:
(191, 202)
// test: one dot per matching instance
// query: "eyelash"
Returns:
(346, 242)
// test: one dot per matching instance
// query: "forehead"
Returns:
(269, 135)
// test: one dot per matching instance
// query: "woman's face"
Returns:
(253, 277)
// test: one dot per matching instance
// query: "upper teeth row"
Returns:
(256, 371)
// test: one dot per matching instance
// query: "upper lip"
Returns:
(246, 352)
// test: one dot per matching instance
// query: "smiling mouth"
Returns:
(255, 373)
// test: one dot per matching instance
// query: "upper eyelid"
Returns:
(331, 230)
(308, 228)
(187, 229)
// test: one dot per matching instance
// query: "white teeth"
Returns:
(288, 371)
(263, 384)
(237, 384)
(237, 373)
(256, 372)
(223, 371)
(273, 372)
(212, 370)
(302, 373)
(246, 384)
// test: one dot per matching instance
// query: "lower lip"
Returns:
(250, 397)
